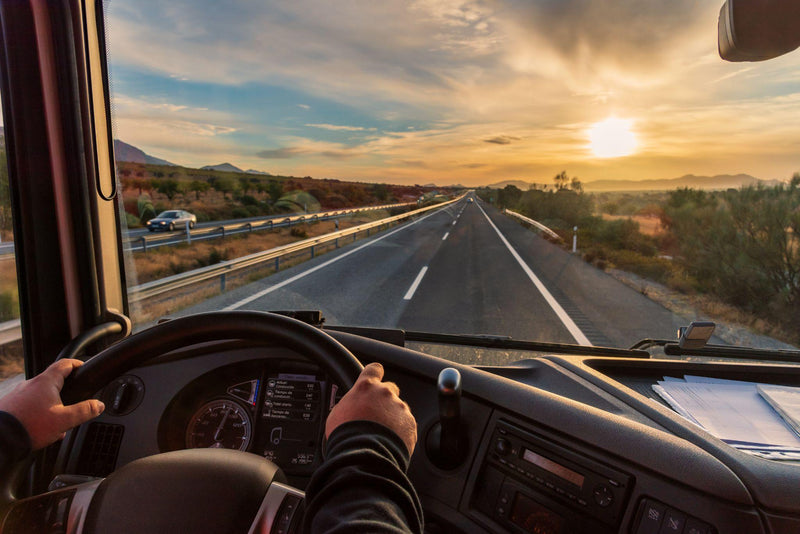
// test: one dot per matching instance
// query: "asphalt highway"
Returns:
(465, 269)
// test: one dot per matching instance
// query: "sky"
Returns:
(449, 91)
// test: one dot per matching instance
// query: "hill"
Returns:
(224, 167)
(720, 181)
(125, 152)
(516, 183)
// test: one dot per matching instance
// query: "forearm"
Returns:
(362, 486)
(15, 443)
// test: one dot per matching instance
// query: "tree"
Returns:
(225, 185)
(198, 186)
(561, 180)
(275, 190)
(168, 187)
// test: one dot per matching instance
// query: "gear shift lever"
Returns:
(446, 442)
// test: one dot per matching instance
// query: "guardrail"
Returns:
(11, 331)
(266, 223)
(538, 225)
(223, 269)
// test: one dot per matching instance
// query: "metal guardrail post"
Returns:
(222, 279)
(188, 233)
(277, 264)
(223, 230)
(144, 244)
(337, 242)
(249, 227)
(312, 251)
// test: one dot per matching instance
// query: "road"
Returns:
(467, 269)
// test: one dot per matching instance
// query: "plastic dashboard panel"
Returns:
(577, 411)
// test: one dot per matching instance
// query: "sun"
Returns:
(612, 138)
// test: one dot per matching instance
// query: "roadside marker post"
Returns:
(574, 239)
(188, 233)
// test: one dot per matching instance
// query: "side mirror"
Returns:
(756, 30)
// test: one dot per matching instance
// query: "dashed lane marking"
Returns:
(270, 289)
(415, 285)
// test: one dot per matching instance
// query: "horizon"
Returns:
(449, 92)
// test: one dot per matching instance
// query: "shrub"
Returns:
(146, 209)
(132, 220)
(9, 305)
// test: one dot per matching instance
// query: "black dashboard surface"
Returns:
(557, 444)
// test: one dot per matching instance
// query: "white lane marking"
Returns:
(415, 285)
(251, 298)
(559, 311)
(454, 222)
(445, 235)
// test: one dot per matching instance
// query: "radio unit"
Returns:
(531, 476)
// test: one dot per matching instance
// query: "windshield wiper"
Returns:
(399, 337)
(672, 348)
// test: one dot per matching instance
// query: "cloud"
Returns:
(501, 140)
(280, 153)
(534, 75)
(337, 128)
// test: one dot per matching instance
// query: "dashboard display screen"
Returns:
(290, 418)
(552, 467)
(533, 517)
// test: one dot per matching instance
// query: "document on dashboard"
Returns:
(733, 411)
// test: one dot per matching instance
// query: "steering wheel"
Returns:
(196, 490)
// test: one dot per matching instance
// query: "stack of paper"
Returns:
(737, 413)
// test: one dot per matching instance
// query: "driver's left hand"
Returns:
(36, 403)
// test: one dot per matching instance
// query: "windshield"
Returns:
(168, 215)
(568, 172)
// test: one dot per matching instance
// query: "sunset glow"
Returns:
(456, 92)
(612, 138)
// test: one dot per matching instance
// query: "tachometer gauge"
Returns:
(221, 424)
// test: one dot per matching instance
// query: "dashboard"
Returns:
(558, 444)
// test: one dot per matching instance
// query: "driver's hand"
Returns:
(373, 400)
(36, 403)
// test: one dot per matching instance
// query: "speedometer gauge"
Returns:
(221, 424)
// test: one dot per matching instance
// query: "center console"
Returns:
(531, 485)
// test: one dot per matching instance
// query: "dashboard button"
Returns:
(652, 517)
(673, 522)
(693, 526)
(603, 495)
(502, 446)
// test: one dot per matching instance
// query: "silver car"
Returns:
(172, 219)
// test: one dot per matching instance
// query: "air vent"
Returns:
(100, 449)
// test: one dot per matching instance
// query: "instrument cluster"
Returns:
(275, 409)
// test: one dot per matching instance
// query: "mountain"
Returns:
(125, 152)
(516, 183)
(226, 167)
(720, 181)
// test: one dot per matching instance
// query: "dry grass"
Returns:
(165, 261)
(11, 362)
(648, 224)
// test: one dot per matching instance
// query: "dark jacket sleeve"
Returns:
(362, 485)
(15, 443)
